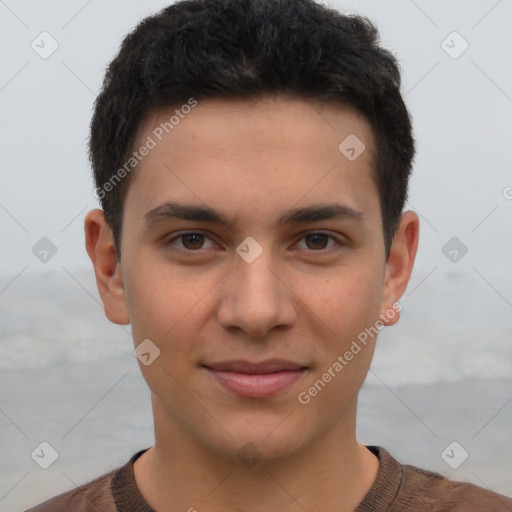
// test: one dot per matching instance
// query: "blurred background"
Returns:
(439, 392)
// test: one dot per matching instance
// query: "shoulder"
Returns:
(92, 496)
(405, 488)
(425, 490)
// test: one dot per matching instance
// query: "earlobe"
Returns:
(399, 266)
(109, 280)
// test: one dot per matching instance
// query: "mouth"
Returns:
(256, 380)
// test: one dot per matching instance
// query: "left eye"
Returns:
(318, 241)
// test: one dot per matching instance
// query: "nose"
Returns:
(256, 298)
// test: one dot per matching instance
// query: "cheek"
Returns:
(348, 303)
(169, 309)
(167, 312)
(156, 297)
(350, 310)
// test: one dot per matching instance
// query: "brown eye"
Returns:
(192, 241)
(321, 243)
(316, 241)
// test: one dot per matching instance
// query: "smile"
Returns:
(256, 380)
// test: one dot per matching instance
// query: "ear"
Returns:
(101, 249)
(399, 266)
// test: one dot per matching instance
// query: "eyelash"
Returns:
(169, 243)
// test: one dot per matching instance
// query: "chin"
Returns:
(255, 440)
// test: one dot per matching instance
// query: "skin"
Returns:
(302, 299)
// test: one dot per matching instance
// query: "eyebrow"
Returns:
(198, 213)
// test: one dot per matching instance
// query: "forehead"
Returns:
(255, 156)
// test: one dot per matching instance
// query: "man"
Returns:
(252, 160)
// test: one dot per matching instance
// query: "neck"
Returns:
(333, 473)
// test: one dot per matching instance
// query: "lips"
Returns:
(269, 366)
(256, 379)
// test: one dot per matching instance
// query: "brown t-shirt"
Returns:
(398, 488)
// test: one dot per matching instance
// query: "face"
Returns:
(252, 259)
